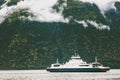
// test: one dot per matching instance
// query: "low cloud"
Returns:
(41, 9)
(99, 26)
(83, 23)
(103, 5)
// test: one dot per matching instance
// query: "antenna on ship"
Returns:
(75, 54)
(96, 59)
(57, 61)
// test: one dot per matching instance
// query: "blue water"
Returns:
(113, 74)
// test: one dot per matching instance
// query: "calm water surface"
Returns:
(113, 74)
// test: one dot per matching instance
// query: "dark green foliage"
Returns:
(35, 45)
(58, 5)
(84, 10)
(1, 2)
(13, 2)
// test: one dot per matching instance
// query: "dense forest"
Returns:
(28, 44)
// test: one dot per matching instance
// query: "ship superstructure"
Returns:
(76, 64)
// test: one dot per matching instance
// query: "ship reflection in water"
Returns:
(113, 74)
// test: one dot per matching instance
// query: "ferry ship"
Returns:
(76, 64)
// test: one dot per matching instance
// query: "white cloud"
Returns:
(83, 23)
(41, 9)
(103, 5)
(99, 26)
(5, 12)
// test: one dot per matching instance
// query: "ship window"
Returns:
(95, 65)
(83, 65)
(56, 65)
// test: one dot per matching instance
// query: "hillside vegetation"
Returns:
(28, 44)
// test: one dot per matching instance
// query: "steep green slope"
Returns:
(28, 44)
(1, 2)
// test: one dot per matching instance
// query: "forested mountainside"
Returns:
(1, 2)
(29, 44)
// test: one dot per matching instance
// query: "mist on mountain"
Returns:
(33, 34)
